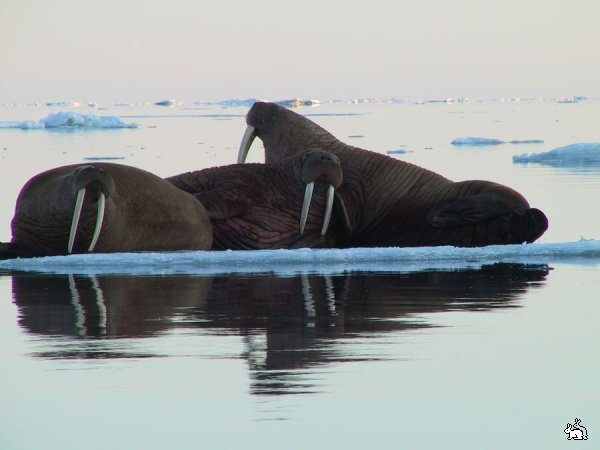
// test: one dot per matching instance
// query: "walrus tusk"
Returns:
(247, 140)
(306, 204)
(99, 220)
(77, 215)
(75, 221)
(328, 208)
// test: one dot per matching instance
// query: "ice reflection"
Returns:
(288, 326)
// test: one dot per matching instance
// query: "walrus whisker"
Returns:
(75, 220)
(306, 204)
(99, 220)
(247, 140)
(328, 208)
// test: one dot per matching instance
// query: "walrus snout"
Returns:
(537, 224)
(94, 180)
(316, 163)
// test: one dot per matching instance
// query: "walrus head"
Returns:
(316, 164)
(51, 203)
(100, 185)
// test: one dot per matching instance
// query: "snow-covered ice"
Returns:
(570, 155)
(325, 261)
(68, 119)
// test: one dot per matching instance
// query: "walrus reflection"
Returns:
(111, 306)
(306, 318)
(287, 325)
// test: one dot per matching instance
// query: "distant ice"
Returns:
(168, 102)
(234, 102)
(569, 156)
(326, 261)
(476, 141)
(399, 151)
(481, 141)
(247, 102)
(70, 120)
(298, 102)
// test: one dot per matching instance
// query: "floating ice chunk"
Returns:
(568, 156)
(236, 102)
(231, 102)
(168, 102)
(24, 125)
(298, 102)
(327, 261)
(63, 119)
(476, 141)
(527, 141)
(71, 119)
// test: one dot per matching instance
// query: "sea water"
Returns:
(418, 348)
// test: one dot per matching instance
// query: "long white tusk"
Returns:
(328, 208)
(306, 204)
(247, 140)
(75, 221)
(99, 220)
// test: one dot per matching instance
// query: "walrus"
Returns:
(287, 204)
(104, 208)
(387, 202)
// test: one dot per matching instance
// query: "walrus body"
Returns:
(388, 202)
(266, 206)
(122, 209)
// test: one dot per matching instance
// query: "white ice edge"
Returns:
(326, 261)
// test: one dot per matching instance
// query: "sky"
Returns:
(130, 50)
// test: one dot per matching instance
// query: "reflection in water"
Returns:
(287, 325)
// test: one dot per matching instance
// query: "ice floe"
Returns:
(327, 261)
(569, 156)
(399, 151)
(230, 102)
(68, 119)
(168, 102)
(481, 141)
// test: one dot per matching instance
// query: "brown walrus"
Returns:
(388, 202)
(103, 208)
(268, 206)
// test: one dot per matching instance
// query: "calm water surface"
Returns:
(500, 356)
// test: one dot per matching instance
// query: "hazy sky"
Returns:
(198, 50)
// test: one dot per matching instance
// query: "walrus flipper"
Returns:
(10, 250)
(454, 212)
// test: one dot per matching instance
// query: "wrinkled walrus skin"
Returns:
(387, 202)
(259, 206)
(141, 212)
